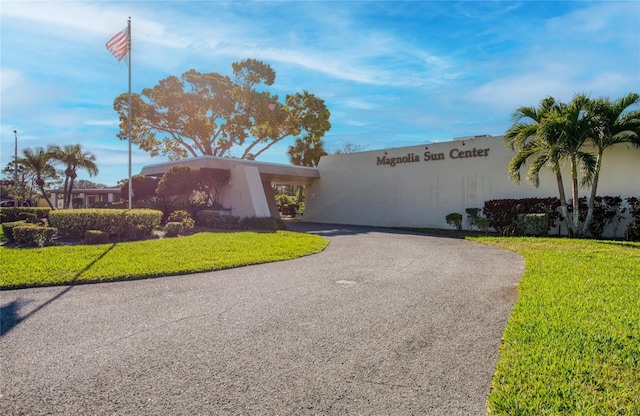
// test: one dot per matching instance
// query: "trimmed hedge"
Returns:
(132, 224)
(34, 235)
(633, 229)
(173, 228)
(212, 219)
(503, 213)
(96, 237)
(454, 219)
(11, 214)
(182, 217)
(7, 229)
(262, 223)
(533, 224)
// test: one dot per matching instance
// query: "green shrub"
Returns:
(483, 223)
(11, 214)
(454, 219)
(290, 210)
(75, 223)
(503, 213)
(135, 232)
(141, 221)
(96, 237)
(472, 216)
(213, 219)
(533, 224)
(173, 229)
(632, 232)
(183, 217)
(133, 224)
(7, 229)
(34, 235)
(262, 223)
(29, 217)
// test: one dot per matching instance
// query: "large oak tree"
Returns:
(202, 114)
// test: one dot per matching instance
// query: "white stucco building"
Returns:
(415, 186)
(427, 182)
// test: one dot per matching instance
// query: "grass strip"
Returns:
(572, 343)
(200, 252)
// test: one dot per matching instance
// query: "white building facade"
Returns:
(415, 186)
(418, 186)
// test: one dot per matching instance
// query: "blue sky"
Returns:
(392, 73)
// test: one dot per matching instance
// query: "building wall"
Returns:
(435, 180)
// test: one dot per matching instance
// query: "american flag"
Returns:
(119, 44)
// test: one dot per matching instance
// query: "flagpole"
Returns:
(129, 121)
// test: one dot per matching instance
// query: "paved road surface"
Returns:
(380, 323)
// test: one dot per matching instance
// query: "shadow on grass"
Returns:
(625, 244)
(10, 313)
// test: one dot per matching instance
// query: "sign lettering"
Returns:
(429, 156)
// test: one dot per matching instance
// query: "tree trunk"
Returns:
(563, 197)
(594, 192)
(65, 194)
(575, 232)
(40, 184)
(69, 197)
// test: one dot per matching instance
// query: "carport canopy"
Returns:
(269, 172)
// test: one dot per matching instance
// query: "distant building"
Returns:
(89, 197)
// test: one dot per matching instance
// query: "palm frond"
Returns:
(533, 174)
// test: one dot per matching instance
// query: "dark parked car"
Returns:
(11, 203)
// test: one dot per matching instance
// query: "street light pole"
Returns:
(15, 172)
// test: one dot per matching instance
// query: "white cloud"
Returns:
(107, 122)
(10, 78)
(595, 21)
(360, 104)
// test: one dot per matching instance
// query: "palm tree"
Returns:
(530, 142)
(573, 126)
(74, 158)
(612, 124)
(554, 132)
(38, 160)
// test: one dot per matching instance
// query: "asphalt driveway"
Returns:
(380, 323)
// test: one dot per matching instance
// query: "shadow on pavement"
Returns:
(9, 313)
(339, 229)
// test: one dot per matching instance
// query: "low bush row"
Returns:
(213, 219)
(97, 226)
(34, 235)
(503, 214)
(633, 229)
(536, 216)
(29, 234)
(131, 224)
(11, 214)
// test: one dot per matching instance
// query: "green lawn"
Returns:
(203, 251)
(572, 344)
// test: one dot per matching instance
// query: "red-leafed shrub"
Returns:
(503, 213)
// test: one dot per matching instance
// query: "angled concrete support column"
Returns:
(271, 199)
(247, 194)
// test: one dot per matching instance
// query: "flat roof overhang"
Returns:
(269, 172)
